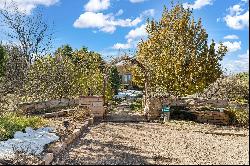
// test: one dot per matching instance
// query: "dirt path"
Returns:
(175, 142)
(123, 113)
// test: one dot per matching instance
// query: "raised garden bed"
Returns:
(77, 120)
(58, 147)
(200, 114)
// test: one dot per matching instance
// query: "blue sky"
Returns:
(107, 26)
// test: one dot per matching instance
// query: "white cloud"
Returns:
(131, 44)
(241, 64)
(244, 56)
(235, 10)
(122, 46)
(245, 1)
(198, 4)
(120, 12)
(109, 54)
(133, 37)
(91, 20)
(231, 37)
(232, 46)
(127, 22)
(105, 23)
(108, 29)
(97, 5)
(138, 32)
(149, 12)
(137, 1)
(26, 6)
(237, 19)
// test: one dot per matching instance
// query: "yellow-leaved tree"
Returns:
(176, 57)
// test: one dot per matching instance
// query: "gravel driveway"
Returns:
(175, 142)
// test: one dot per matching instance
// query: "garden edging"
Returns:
(59, 147)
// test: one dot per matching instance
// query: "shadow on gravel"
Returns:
(124, 121)
(94, 152)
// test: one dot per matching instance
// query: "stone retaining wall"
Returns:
(37, 106)
(59, 113)
(219, 118)
(197, 102)
(154, 106)
(58, 147)
(93, 103)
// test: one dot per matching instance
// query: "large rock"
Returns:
(153, 108)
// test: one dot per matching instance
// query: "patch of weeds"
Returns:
(136, 105)
(11, 122)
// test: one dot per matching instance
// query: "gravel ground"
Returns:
(176, 142)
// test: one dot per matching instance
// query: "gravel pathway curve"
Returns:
(175, 142)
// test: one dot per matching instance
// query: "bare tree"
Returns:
(29, 32)
(25, 38)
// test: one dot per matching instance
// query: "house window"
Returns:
(129, 77)
(126, 78)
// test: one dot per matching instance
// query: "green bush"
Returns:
(137, 105)
(65, 75)
(12, 122)
(239, 117)
(117, 101)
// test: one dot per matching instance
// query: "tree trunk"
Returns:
(146, 107)
(104, 90)
(146, 91)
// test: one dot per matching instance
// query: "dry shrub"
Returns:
(238, 116)
(233, 88)
(81, 114)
